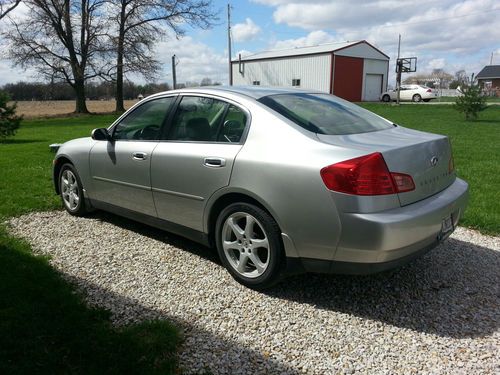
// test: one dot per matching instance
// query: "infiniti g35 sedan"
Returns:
(279, 181)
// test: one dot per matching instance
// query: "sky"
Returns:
(447, 34)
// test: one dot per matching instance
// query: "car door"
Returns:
(405, 93)
(120, 168)
(196, 157)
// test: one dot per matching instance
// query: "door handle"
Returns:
(214, 162)
(139, 156)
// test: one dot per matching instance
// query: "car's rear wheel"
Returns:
(249, 245)
(417, 98)
(71, 190)
(386, 98)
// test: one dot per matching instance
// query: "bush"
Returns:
(9, 122)
(471, 102)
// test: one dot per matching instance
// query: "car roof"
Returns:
(255, 92)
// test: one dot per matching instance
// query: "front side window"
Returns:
(325, 114)
(144, 122)
(197, 119)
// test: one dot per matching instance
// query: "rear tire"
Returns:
(386, 98)
(417, 98)
(71, 190)
(249, 245)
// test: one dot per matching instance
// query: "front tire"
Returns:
(386, 98)
(249, 245)
(71, 189)
(417, 98)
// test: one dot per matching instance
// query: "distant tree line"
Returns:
(102, 90)
(79, 42)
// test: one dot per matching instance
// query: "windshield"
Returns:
(325, 114)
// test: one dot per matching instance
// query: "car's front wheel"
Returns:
(71, 190)
(417, 98)
(249, 245)
(386, 98)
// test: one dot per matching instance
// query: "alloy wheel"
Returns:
(69, 190)
(245, 244)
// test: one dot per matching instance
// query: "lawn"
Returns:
(45, 327)
(476, 153)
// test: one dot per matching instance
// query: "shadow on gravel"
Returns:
(159, 235)
(452, 291)
(215, 354)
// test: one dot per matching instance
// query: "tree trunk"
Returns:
(119, 62)
(119, 84)
(81, 105)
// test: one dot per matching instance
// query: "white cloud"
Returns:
(196, 61)
(311, 39)
(436, 64)
(451, 26)
(246, 31)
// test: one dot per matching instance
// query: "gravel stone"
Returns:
(439, 314)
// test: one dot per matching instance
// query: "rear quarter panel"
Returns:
(281, 166)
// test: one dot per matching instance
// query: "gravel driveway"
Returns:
(440, 314)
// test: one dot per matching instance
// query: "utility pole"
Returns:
(174, 77)
(398, 69)
(491, 58)
(229, 43)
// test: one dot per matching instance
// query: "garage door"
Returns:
(348, 78)
(373, 87)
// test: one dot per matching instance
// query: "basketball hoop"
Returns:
(406, 65)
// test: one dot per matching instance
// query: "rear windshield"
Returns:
(325, 114)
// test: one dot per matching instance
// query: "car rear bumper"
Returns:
(378, 241)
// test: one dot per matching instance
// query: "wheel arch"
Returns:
(58, 163)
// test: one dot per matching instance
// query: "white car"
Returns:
(415, 93)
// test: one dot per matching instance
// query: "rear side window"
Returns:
(233, 126)
(197, 119)
(325, 114)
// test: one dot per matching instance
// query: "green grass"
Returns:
(44, 325)
(476, 151)
(489, 99)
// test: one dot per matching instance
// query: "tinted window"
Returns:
(233, 126)
(197, 119)
(325, 114)
(144, 122)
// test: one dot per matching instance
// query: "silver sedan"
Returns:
(279, 181)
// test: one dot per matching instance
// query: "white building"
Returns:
(356, 71)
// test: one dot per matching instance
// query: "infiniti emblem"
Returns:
(434, 161)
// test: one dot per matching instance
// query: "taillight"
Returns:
(366, 175)
(429, 90)
(403, 182)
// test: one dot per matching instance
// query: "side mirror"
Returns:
(101, 134)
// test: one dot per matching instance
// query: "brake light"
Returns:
(429, 90)
(366, 175)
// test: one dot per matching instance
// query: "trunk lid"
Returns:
(424, 156)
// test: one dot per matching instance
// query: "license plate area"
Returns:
(447, 228)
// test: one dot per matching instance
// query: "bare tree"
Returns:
(62, 40)
(6, 6)
(140, 24)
